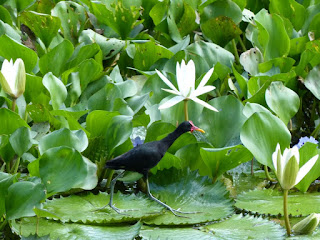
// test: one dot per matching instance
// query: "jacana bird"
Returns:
(144, 157)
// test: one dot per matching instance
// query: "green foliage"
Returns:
(91, 80)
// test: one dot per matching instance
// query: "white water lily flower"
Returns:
(186, 84)
(13, 77)
(287, 167)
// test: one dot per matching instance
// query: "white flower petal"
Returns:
(203, 103)
(275, 157)
(171, 91)
(166, 81)
(206, 78)
(306, 168)
(202, 90)
(186, 79)
(288, 153)
(171, 102)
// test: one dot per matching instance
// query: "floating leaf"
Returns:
(65, 231)
(201, 195)
(86, 209)
(163, 233)
(268, 201)
(239, 227)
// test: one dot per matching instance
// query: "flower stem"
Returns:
(236, 55)
(13, 104)
(285, 211)
(186, 116)
(267, 173)
(15, 167)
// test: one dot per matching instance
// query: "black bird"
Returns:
(144, 157)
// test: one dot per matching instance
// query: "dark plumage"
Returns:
(144, 157)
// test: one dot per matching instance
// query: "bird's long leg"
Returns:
(174, 211)
(113, 183)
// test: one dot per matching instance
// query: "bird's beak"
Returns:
(194, 128)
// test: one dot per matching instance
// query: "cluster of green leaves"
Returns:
(91, 80)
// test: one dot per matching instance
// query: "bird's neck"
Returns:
(169, 140)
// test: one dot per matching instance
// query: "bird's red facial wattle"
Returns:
(195, 128)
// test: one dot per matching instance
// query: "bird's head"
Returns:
(188, 126)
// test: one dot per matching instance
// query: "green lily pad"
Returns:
(268, 201)
(57, 230)
(85, 209)
(201, 196)
(238, 227)
(164, 233)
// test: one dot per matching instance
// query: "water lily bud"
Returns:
(13, 77)
(287, 167)
(307, 225)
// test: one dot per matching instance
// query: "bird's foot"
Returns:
(120, 211)
(178, 211)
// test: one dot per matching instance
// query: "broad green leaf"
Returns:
(128, 88)
(67, 231)
(168, 161)
(6, 180)
(163, 233)
(191, 158)
(277, 96)
(35, 90)
(251, 108)
(312, 13)
(73, 18)
(119, 130)
(71, 118)
(220, 160)
(269, 201)
(22, 140)
(6, 151)
(223, 127)
(98, 122)
(87, 208)
(10, 121)
(64, 137)
(6, 29)
(297, 45)
(250, 60)
(312, 82)
(109, 46)
(222, 8)
(148, 53)
(44, 26)
(307, 151)
(247, 227)
(212, 53)
(23, 4)
(291, 10)
(200, 195)
(9, 48)
(22, 198)
(63, 168)
(5, 15)
(137, 102)
(284, 64)
(261, 133)
(224, 30)
(121, 19)
(57, 89)
(82, 53)
(272, 36)
(54, 61)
